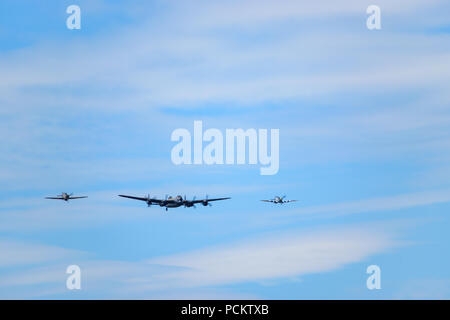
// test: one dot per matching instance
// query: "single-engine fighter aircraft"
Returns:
(174, 202)
(65, 196)
(279, 200)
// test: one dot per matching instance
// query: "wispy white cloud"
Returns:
(393, 203)
(275, 256)
(373, 206)
(244, 53)
(13, 253)
(183, 66)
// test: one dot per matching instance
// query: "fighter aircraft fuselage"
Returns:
(279, 200)
(65, 196)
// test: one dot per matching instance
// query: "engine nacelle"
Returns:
(205, 203)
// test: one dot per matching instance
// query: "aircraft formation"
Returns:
(169, 201)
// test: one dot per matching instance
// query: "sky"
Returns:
(364, 123)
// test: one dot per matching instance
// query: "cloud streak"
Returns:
(275, 256)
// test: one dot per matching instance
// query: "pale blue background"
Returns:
(364, 125)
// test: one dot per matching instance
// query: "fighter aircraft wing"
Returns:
(209, 200)
(267, 200)
(55, 198)
(290, 200)
(142, 199)
(82, 197)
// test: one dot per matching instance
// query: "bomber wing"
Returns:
(208, 200)
(141, 198)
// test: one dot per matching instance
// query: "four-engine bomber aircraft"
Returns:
(174, 202)
(279, 200)
(66, 197)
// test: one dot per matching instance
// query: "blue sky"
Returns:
(364, 124)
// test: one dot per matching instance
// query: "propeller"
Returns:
(205, 202)
(191, 205)
(149, 202)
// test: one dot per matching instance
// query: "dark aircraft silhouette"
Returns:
(65, 196)
(174, 202)
(279, 200)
